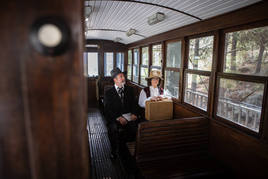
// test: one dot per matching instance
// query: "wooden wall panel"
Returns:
(180, 111)
(106, 45)
(92, 92)
(43, 122)
(14, 154)
(246, 155)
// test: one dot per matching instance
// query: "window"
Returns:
(240, 95)
(144, 65)
(196, 91)
(136, 66)
(129, 65)
(108, 63)
(92, 64)
(157, 56)
(120, 61)
(200, 53)
(172, 83)
(199, 70)
(246, 52)
(172, 71)
(241, 102)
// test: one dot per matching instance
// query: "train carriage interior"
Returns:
(61, 63)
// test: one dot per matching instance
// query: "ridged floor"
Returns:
(102, 167)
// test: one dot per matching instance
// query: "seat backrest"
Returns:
(107, 87)
(172, 138)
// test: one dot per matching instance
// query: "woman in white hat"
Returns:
(154, 92)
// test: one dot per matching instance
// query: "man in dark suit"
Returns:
(120, 110)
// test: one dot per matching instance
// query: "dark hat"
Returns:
(115, 72)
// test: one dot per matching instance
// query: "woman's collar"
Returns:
(153, 87)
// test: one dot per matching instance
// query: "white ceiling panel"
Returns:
(110, 16)
(111, 35)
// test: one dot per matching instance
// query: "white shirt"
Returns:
(117, 88)
(143, 98)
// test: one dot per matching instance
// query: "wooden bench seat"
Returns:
(175, 149)
(182, 168)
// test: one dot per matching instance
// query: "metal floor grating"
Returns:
(102, 167)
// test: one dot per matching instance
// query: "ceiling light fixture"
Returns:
(88, 10)
(92, 45)
(131, 32)
(156, 18)
(117, 39)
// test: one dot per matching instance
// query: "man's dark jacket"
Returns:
(113, 107)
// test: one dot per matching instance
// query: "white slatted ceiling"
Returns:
(125, 15)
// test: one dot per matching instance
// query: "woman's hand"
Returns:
(159, 98)
(156, 98)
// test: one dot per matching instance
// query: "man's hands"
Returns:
(122, 121)
(133, 117)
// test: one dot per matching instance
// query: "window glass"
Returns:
(241, 102)
(136, 57)
(129, 67)
(120, 61)
(145, 56)
(136, 66)
(135, 74)
(196, 91)
(157, 56)
(108, 63)
(200, 53)
(92, 64)
(129, 71)
(172, 83)
(246, 52)
(144, 66)
(174, 54)
(130, 57)
(144, 74)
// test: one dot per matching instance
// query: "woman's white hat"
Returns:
(155, 73)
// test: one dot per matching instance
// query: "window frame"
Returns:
(144, 66)
(131, 75)
(114, 61)
(87, 52)
(136, 65)
(174, 69)
(239, 77)
(215, 74)
(162, 56)
(200, 72)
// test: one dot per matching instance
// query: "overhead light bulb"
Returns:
(156, 18)
(88, 9)
(117, 39)
(131, 32)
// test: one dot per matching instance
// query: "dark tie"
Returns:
(121, 94)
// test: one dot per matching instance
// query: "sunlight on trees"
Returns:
(246, 52)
